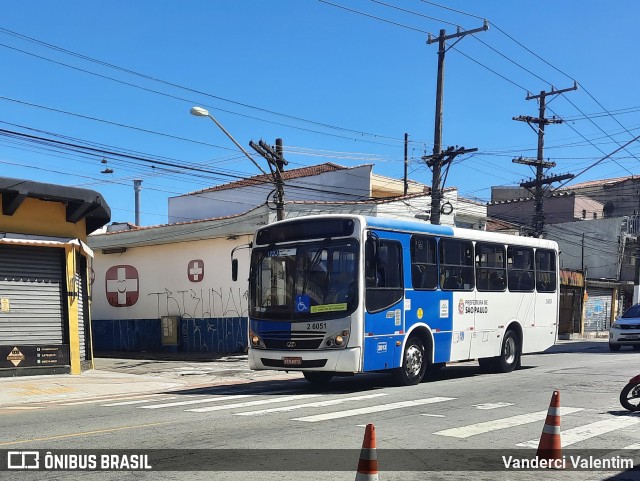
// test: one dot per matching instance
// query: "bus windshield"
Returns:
(307, 281)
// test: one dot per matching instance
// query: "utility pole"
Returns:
(276, 161)
(535, 186)
(636, 283)
(406, 163)
(436, 163)
(437, 159)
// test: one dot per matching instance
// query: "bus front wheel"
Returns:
(317, 377)
(414, 364)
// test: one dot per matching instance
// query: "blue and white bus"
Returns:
(345, 294)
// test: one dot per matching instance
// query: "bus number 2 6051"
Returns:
(316, 326)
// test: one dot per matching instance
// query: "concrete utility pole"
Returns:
(276, 162)
(535, 186)
(136, 190)
(437, 160)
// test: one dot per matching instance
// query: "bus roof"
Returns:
(421, 227)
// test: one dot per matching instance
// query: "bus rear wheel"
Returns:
(509, 357)
(414, 364)
(317, 377)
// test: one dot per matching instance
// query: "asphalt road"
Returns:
(473, 418)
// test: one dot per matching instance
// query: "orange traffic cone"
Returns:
(368, 463)
(549, 446)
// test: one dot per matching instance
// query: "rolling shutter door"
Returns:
(81, 321)
(598, 309)
(32, 279)
(83, 307)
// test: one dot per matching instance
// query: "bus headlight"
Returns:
(255, 340)
(338, 340)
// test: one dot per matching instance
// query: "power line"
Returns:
(175, 85)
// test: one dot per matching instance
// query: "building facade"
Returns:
(45, 276)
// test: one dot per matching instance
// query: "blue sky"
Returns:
(336, 85)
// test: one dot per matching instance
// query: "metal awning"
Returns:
(43, 241)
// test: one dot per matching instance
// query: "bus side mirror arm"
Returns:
(234, 261)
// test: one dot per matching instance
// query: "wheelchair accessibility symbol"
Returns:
(303, 303)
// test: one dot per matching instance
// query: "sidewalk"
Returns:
(120, 377)
(147, 373)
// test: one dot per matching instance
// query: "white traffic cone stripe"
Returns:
(548, 429)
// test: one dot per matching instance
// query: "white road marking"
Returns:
(137, 401)
(22, 408)
(330, 402)
(492, 405)
(197, 401)
(110, 398)
(504, 423)
(434, 415)
(632, 446)
(581, 433)
(373, 409)
(273, 399)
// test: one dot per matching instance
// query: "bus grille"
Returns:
(292, 340)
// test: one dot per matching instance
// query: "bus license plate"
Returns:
(292, 361)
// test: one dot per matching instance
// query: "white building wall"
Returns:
(163, 285)
(341, 185)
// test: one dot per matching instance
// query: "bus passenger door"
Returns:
(456, 279)
(384, 306)
(546, 303)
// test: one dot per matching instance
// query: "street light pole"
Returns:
(200, 112)
(274, 157)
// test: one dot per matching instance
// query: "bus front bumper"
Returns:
(345, 360)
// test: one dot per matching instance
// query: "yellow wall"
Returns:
(39, 217)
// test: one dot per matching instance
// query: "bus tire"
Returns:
(414, 363)
(317, 377)
(509, 357)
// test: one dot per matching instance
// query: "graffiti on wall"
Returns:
(212, 319)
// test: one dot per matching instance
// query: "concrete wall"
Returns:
(564, 208)
(620, 198)
(602, 248)
(341, 185)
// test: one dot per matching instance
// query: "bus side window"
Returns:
(545, 270)
(520, 269)
(456, 264)
(490, 267)
(384, 276)
(424, 268)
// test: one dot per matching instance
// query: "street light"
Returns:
(200, 112)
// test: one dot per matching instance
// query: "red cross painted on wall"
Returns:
(195, 270)
(122, 285)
